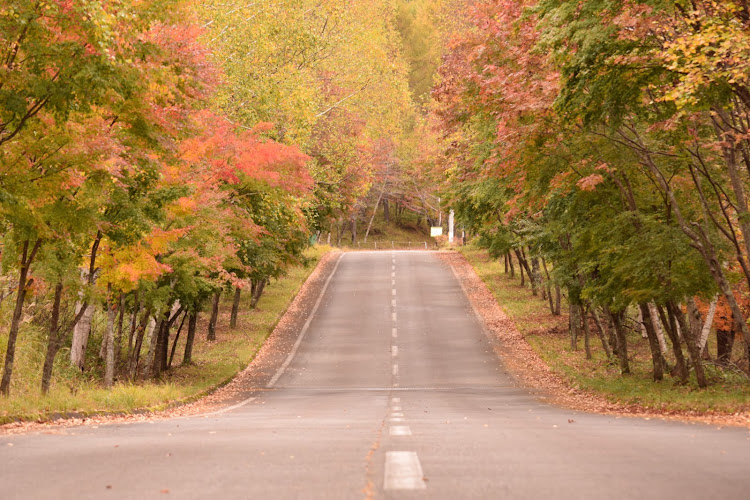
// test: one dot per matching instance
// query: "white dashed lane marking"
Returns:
(394, 351)
(403, 471)
(400, 430)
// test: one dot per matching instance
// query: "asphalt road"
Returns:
(393, 392)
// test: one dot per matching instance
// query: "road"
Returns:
(394, 391)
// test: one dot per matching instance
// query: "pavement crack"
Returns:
(369, 489)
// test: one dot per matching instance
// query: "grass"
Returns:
(729, 391)
(214, 363)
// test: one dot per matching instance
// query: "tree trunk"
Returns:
(353, 224)
(692, 344)
(574, 325)
(163, 360)
(724, 345)
(82, 329)
(641, 323)
(622, 342)
(520, 266)
(550, 301)
(374, 211)
(235, 308)
(656, 323)
(505, 259)
(670, 327)
(214, 317)
(176, 338)
(162, 346)
(257, 292)
(339, 231)
(586, 333)
(23, 283)
(133, 324)
(558, 299)
(601, 333)
(549, 289)
(386, 211)
(57, 335)
(109, 342)
(153, 344)
(707, 324)
(81, 336)
(536, 275)
(53, 343)
(694, 319)
(136, 352)
(525, 263)
(187, 358)
(118, 335)
(512, 267)
(653, 342)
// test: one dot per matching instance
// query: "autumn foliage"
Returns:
(603, 146)
(122, 186)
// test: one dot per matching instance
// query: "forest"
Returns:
(158, 156)
(602, 147)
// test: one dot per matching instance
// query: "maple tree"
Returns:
(115, 168)
(607, 139)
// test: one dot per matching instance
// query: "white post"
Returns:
(440, 214)
(450, 226)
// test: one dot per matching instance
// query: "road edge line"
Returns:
(302, 333)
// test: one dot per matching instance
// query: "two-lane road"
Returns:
(394, 391)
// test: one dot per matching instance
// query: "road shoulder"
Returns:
(241, 388)
(527, 367)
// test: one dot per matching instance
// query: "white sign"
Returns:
(436, 231)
